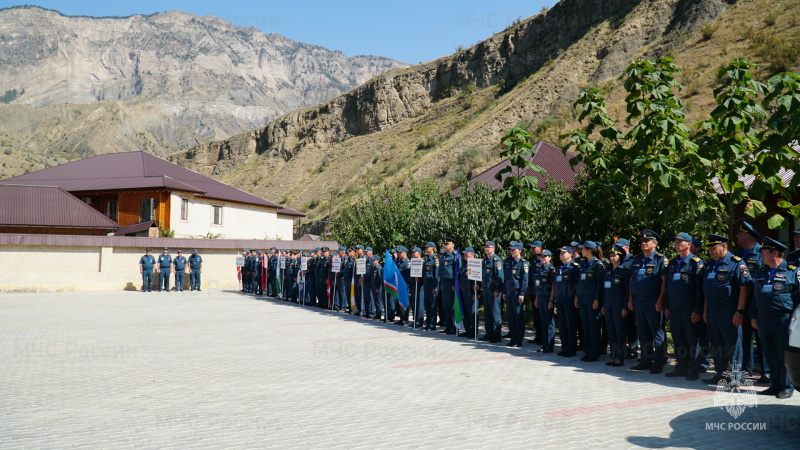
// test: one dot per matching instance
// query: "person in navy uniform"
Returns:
(322, 268)
(615, 303)
(492, 282)
(369, 298)
(447, 287)
(348, 269)
(647, 286)
(146, 265)
(258, 268)
(589, 298)
(543, 283)
(793, 258)
(726, 288)
(414, 297)
(702, 326)
(376, 281)
(272, 271)
(404, 266)
(750, 251)
(468, 294)
(430, 278)
(179, 263)
(196, 268)
(535, 263)
(632, 338)
(337, 281)
(164, 269)
(563, 296)
(311, 277)
(361, 296)
(776, 296)
(516, 273)
(683, 307)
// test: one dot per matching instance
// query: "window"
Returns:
(147, 209)
(112, 211)
(217, 214)
(184, 208)
(87, 200)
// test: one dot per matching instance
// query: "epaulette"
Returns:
(695, 259)
(791, 267)
(575, 264)
(736, 258)
(523, 260)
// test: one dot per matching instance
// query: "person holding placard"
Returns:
(348, 278)
(467, 294)
(415, 300)
(360, 279)
(447, 285)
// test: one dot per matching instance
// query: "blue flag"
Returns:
(458, 302)
(394, 283)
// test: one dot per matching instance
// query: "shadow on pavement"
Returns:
(713, 428)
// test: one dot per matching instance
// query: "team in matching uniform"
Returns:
(166, 265)
(619, 306)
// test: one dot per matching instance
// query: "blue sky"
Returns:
(411, 31)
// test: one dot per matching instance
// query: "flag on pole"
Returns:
(328, 286)
(264, 262)
(458, 303)
(394, 283)
(353, 305)
(301, 281)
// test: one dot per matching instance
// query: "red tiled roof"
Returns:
(547, 156)
(135, 228)
(48, 206)
(147, 242)
(290, 212)
(134, 170)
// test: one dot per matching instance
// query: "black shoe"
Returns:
(513, 345)
(693, 376)
(714, 380)
(584, 358)
(770, 391)
(443, 332)
(590, 359)
(763, 380)
(678, 373)
(461, 334)
(485, 338)
(656, 369)
(619, 364)
(610, 363)
(507, 335)
(631, 354)
(561, 353)
(642, 366)
(784, 394)
(496, 340)
(399, 322)
(450, 332)
(533, 341)
(440, 324)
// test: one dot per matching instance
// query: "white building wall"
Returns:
(239, 221)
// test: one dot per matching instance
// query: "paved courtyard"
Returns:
(219, 369)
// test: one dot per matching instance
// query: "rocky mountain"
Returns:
(161, 82)
(445, 118)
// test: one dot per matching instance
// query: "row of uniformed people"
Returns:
(166, 265)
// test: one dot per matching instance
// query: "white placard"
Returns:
(336, 264)
(416, 267)
(240, 261)
(474, 267)
(304, 263)
(361, 266)
(282, 262)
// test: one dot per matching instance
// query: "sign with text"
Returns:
(240, 261)
(336, 264)
(474, 267)
(304, 263)
(361, 266)
(416, 267)
(282, 262)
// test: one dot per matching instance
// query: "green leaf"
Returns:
(755, 208)
(777, 221)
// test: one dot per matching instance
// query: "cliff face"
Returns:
(176, 79)
(426, 119)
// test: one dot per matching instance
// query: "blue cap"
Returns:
(257, 251)
(416, 249)
(448, 240)
(489, 244)
(566, 248)
(623, 242)
(360, 247)
(401, 248)
(589, 244)
(535, 244)
(647, 235)
(515, 245)
(749, 229)
(772, 244)
(546, 252)
(342, 249)
(273, 248)
(697, 242)
(714, 239)
(368, 249)
(194, 251)
(684, 237)
(468, 250)
(430, 244)
(574, 244)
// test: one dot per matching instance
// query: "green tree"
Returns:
(520, 191)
